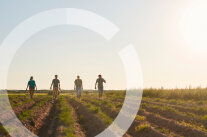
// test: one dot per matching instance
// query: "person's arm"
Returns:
(36, 86)
(104, 81)
(27, 86)
(96, 84)
(82, 84)
(74, 86)
(59, 85)
(51, 85)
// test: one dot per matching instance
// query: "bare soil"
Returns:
(173, 125)
(146, 133)
(39, 116)
(89, 121)
(78, 128)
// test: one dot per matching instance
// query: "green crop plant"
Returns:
(142, 127)
(66, 117)
(205, 117)
(3, 130)
(96, 109)
(201, 110)
(81, 119)
(140, 118)
(25, 115)
(164, 131)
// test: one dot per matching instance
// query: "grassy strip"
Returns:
(65, 117)
(198, 112)
(3, 130)
(184, 94)
(106, 102)
(19, 103)
(15, 102)
(198, 125)
(96, 110)
(189, 103)
(142, 127)
(194, 121)
(143, 124)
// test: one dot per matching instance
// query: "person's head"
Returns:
(78, 77)
(56, 76)
(31, 78)
(99, 76)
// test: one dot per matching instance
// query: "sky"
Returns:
(169, 38)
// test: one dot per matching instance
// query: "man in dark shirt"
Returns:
(56, 87)
(78, 86)
(100, 82)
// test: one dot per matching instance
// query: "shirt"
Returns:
(100, 82)
(31, 83)
(55, 83)
(78, 83)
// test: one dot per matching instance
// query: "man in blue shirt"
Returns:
(32, 85)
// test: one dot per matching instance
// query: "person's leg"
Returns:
(78, 92)
(31, 90)
(53, 94)
(32, 93)
(100, 92)
(57, 93)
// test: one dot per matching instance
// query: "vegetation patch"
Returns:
(66, 118)
(142, 127)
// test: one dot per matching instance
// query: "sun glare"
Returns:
(195, 26)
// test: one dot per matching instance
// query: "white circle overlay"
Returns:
(82, 18)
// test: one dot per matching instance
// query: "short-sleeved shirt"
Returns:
(78, 83)
(31, 83)
(55, 83)
(100, 82)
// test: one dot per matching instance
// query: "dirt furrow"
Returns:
(178, 107)
(177, 116)
(39, 116)
(78, 129)
(173, 125)
(49, 128)
(90, 122)
(150, 131)
(166, 123)
(29, 105)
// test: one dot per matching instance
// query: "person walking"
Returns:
(56, 87)
(100, 82)
(78, 86)
(31, 85)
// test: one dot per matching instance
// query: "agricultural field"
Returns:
(162, 113)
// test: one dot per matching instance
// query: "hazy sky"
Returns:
(169, 37)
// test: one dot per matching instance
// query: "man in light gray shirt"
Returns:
(78, 86)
